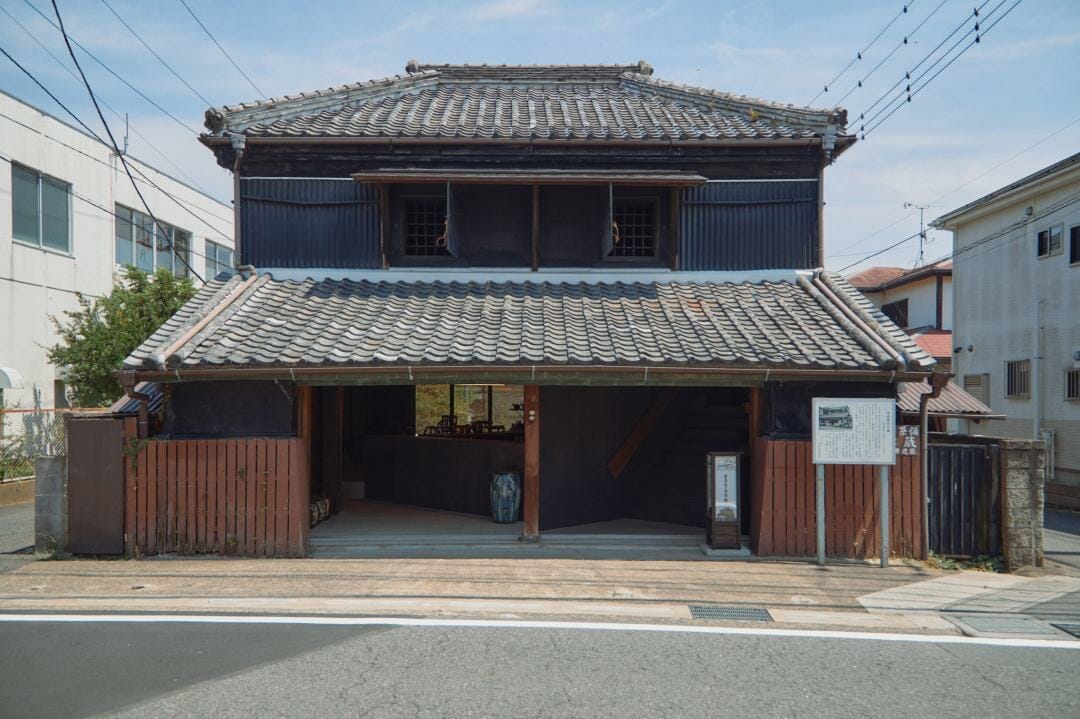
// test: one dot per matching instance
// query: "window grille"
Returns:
(1018, 379)
(633, 228)
(1049, 241)
(427, 227)
(1072, 385)
(978, 386)
(897, 312)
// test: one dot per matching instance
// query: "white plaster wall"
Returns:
(996, 286)
(36, 283)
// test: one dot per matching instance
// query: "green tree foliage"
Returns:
(95, 339)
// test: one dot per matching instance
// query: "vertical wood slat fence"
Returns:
(783, 501)
(247, 497)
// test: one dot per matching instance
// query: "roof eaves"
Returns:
(1057, 169)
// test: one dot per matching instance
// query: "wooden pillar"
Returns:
(754, 411)
(384, 225)
(673, 229)
(531, 499)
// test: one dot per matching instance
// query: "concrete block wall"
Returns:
(1023, 474)
(50, 506)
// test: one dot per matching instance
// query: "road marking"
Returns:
(528, 624)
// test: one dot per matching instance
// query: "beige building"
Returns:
(69, 219)
(1016, 294)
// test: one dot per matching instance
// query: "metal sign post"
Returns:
(853, 430)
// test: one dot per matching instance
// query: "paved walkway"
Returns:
(16, 527)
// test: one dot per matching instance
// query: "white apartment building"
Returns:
(1016, 295)
(69, 219)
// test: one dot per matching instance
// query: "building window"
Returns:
(1049, 241)
(427, 227)
(139, 243)
(468, 408)
(1018, 379)
(633, 228)
(897, 312)
(978, 386)
(1074, 245)
(1072, 385)
(40, 209)
(218, 259)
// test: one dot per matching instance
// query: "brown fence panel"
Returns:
(783, 502)
(96, 485)
(234, 496)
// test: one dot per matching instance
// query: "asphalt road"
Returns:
(1061, 538)
(16, 527)
(52, 669)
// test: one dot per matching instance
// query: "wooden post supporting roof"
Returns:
(531, 499)
(535, 241)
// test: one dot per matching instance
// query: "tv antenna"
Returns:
(922, 229)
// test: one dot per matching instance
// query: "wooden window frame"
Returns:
(653, 202)
(447, 255)
(1018, 379)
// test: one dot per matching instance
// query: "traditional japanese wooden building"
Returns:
(580, 273)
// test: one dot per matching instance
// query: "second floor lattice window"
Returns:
(633, 228)
(427, 227)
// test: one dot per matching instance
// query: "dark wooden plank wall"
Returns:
(302, 222)
(749, 226)
(783, 504)
(240, 496)
(95, 485)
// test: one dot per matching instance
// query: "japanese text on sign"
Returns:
(854, 430)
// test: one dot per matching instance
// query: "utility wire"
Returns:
(859, 54)
(106, 105)
(98, 137)
(112, 72)
(902, 43)
(68, 189)
(152, 52)
(116, 148)
(219, 47)
(978, 39)
(907, 75)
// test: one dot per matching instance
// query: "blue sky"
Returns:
(1017, 86)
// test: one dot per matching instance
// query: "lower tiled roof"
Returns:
(345, 323)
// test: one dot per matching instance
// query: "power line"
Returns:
(112, 72)
(907, 75)
(219, 47)
(220, 233)
(106, 105)
(68, 189)
(880, 252)
(152, 52)
(978, 38)
(859, 54)
(959, 187)
(116, 148)
(892, 52)
(98, 137)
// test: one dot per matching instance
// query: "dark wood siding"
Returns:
(230, 409)
(787, 404)
(749, 226)
(309, 223)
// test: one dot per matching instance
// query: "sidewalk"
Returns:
(906, 597)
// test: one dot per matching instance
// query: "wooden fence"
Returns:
(783, 504)
(246, 496)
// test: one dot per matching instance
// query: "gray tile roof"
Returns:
(600, 102)
(344, 323)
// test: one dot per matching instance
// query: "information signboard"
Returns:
(854, 430)
(725, 487)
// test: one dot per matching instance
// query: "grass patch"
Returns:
(981, 563)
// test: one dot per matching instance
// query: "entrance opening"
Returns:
(408, 467)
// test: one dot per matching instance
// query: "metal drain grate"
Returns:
(709, 611)
(1073, 629)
